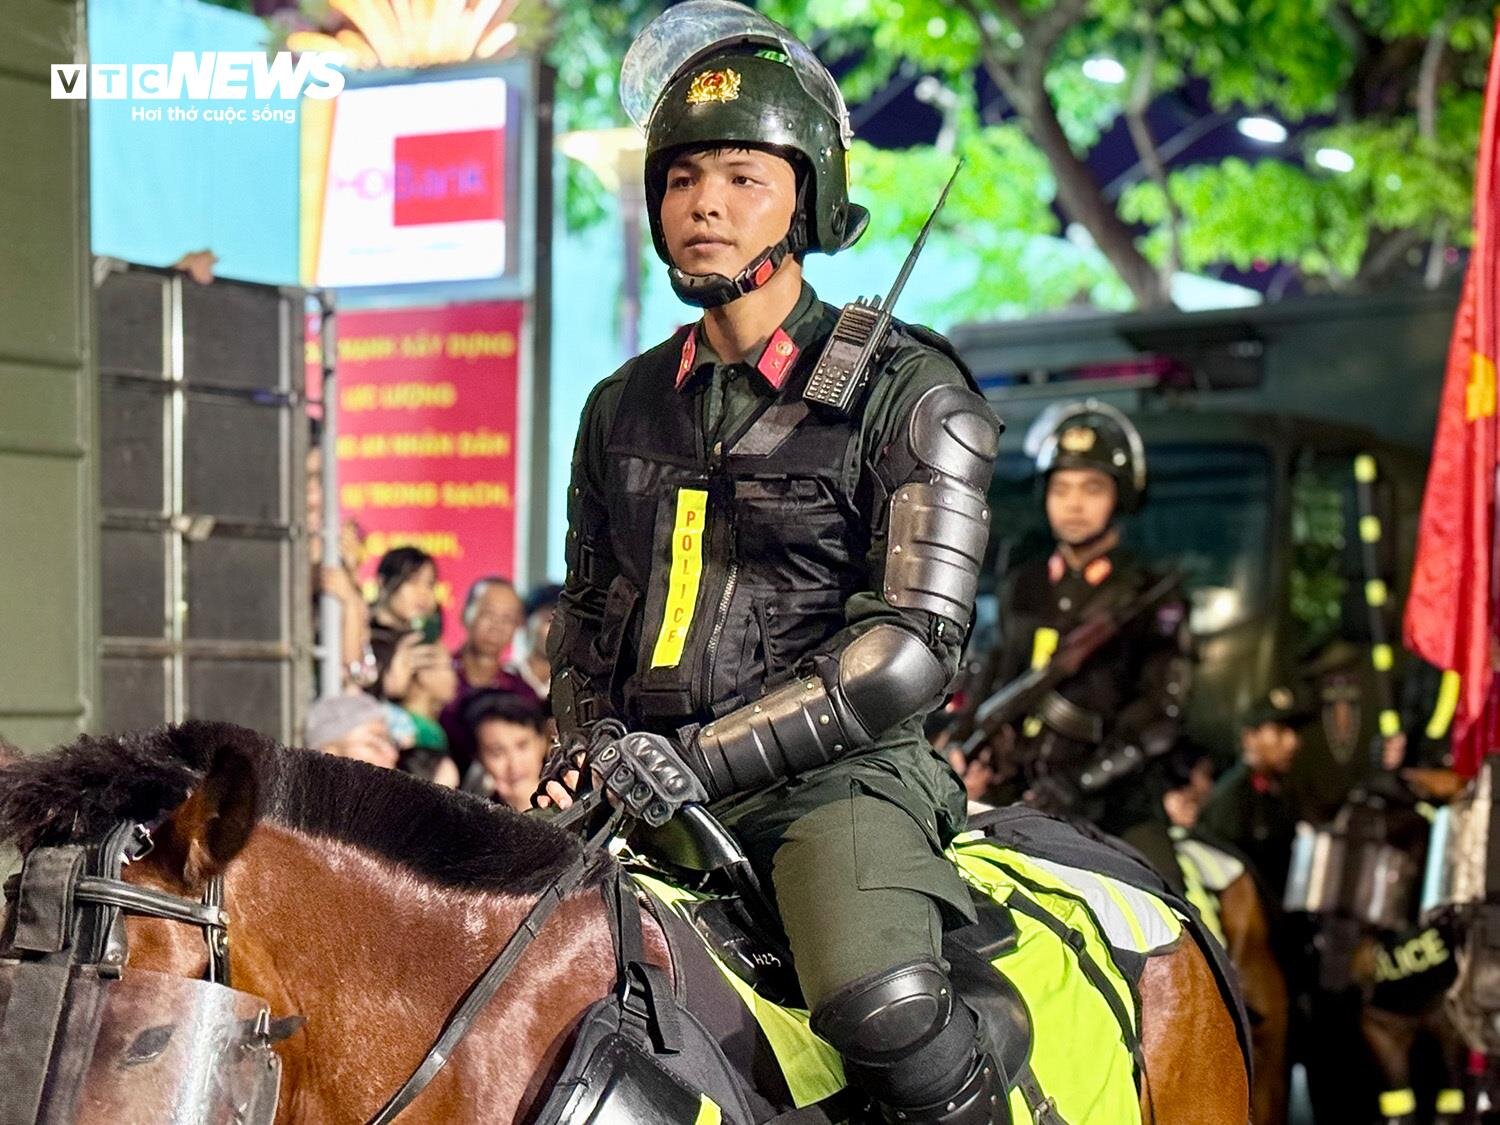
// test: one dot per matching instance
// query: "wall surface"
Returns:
(49, 602)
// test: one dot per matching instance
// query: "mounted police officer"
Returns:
(782, 587)
(1089, 747)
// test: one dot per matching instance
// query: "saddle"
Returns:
(733, 916)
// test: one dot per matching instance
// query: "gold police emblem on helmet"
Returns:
(1077, 439)
(1281, 698)
(714, 86)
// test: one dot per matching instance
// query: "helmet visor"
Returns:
(697, 29)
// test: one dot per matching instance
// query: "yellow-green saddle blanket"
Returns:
(1081, 939)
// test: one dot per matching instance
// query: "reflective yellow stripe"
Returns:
(1376, 592)
(1398, 1103)
(1450, 1101)
(1043, 645)
(1369, 528)
(708, 1111)
(686, 577)
(1390, 724)
(1383, 658)
(1364, 468)
(1447, 704)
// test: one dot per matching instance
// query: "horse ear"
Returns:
(213, 824)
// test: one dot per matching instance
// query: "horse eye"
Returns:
(148, 1045)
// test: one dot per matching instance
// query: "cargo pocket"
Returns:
(895, 849)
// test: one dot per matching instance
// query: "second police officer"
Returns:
(1089, 747)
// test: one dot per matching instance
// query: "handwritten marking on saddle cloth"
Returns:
(685, 577)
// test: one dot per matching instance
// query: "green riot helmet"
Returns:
(1090, 435)
(712, 73)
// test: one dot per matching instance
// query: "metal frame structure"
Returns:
(181, 528)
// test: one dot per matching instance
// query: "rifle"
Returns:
(1017, 699)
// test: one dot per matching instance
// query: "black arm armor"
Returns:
(939, 520)
(939, 525)
(883, 676)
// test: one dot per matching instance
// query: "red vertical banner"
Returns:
(428, 417)
(1451, 608)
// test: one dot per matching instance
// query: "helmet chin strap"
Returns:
(713, 290)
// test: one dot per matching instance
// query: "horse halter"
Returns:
(91, 876)
(140, 1041)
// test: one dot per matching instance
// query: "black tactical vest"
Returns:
(735, 563)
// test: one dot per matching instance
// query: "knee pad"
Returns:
(888, 1015)
(905, 1037)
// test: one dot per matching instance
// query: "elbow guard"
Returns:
(883, 677)
(939, 518)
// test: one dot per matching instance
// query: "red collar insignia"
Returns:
(1094, 573)
(775, 361)
(689, 353)
(778, 358)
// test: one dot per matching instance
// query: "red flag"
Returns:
(1450, 610)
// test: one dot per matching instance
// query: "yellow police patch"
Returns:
(1043, 645)
(685, 577)
(714, 86)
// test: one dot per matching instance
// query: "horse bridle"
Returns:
(63, 955)
(55, 881)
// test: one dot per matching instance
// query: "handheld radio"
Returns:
(861, 333)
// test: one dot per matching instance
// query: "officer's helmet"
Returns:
(714, 72)
(1091, 435)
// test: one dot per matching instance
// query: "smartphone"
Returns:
(431, 627)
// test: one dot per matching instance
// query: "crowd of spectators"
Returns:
(475, 718)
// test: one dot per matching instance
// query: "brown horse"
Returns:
(367, 902)
(1247, 938)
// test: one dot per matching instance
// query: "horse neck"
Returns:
(375, 959)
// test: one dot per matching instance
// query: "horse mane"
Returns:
(78, 792)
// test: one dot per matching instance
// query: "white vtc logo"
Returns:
(205, 76)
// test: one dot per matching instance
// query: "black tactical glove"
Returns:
(647, 775)
(571, 753)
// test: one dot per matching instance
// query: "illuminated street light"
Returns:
(1106, 70)
(397, 33)
(1334, 159)
(1262, 129)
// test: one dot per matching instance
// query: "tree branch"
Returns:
(1427, 81)
(1048, 28)
(995, 56)
(1023, 81)
(1136, 105)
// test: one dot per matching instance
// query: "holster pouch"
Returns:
(639, 1056)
